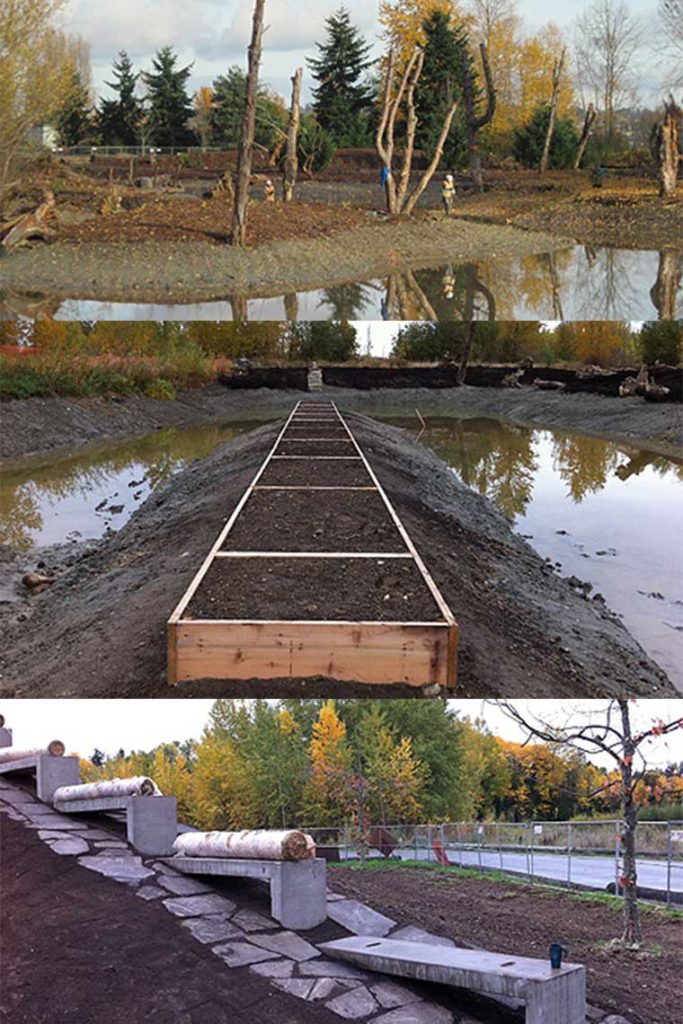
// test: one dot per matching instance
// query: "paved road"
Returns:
(594, 872)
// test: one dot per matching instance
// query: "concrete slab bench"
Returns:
(151, 821)
(551, 996)
(51, 772)
(298, 889)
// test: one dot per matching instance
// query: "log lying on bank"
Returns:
(9, 754)
(257, 844)
(139, 785)
(39, 224)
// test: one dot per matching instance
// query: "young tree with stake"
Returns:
(613, 734)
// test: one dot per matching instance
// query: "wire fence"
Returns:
(575, 854)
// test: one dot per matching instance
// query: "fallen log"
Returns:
(55, 749)
(259, 844)
(39, 224)
(656, 392)
(139, 785)
(36, 581)
(549, 385)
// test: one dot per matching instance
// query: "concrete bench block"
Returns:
(298, 889)
(152, 824)
(550, 996)
(53, 772)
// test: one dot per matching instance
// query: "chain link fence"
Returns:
(575, 854)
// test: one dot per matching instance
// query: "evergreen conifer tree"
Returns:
(74, 121)
(118, 119)
(170, 107)
(446, 60)
(342, 99)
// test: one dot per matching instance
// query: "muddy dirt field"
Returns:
(525, 920)
(100, 629)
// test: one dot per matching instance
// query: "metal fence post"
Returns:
(669, 855)
(569, 853)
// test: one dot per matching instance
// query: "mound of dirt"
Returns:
(100, 629)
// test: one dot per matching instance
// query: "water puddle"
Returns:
(83, 495)
(576, 283)
(608, 513)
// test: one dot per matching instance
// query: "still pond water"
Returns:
(609, 513)
(576, 283)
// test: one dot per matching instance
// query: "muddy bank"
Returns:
(34, 426)
(100, 629)
(37, 426)
(194, 271)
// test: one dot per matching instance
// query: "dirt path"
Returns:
(100, 630)
(526, 919)
(188, 271)
(37, 426)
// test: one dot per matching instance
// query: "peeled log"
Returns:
(39, 224)
(139, 785)
(9, 754)
(256, 844)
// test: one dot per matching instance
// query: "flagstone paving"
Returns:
(242, 937)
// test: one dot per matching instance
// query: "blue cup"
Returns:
(556, 951)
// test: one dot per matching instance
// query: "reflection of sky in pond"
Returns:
(609, 498)
(576, 283)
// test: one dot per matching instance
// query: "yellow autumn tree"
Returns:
(402, 22)
(537, 59)
(328, 795)
(171, 773)
(222, 792)
(392, 777)
(200, 122)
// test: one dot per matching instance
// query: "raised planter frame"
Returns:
(370, 651)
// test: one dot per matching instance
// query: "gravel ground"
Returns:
(194, 271)
(99, 630)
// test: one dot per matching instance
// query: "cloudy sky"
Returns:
(213, 33)
(109, 725)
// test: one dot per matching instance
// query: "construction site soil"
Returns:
(337, 589)
(100, 629)
(524, 919)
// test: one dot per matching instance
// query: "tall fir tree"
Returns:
(74, 121)
(446, 60)
(170, 107)
(229, 99)
(119, 118)
(342, 98)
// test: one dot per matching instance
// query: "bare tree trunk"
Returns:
(292, 306)
(557, 78)
(474, 123)
(667, 151)
(631, 935)
(399, 197)
(291, 158)
(466, 352)
(246, 143)
(664, 292)
(588, 123)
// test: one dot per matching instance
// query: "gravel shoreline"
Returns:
(193, 272)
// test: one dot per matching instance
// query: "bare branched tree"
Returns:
(609, 732)
(671, 19)
(398, 96)
(608, 38)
